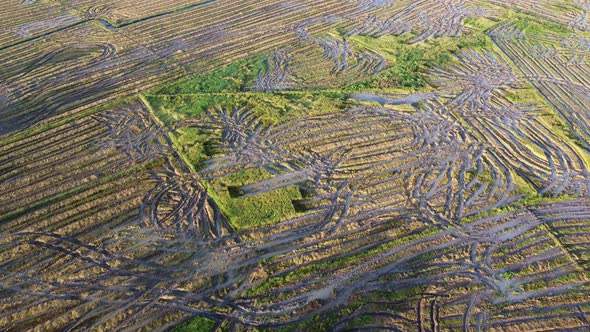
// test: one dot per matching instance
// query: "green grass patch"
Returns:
(237, 76)
(537, 27)
(195, 145)
(272, 107)
(253, 211)
(409, 62)
(196, 324)
(480, 23)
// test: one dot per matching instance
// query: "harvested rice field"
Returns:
(272, 165)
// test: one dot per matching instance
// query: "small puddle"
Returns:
(107, 24)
